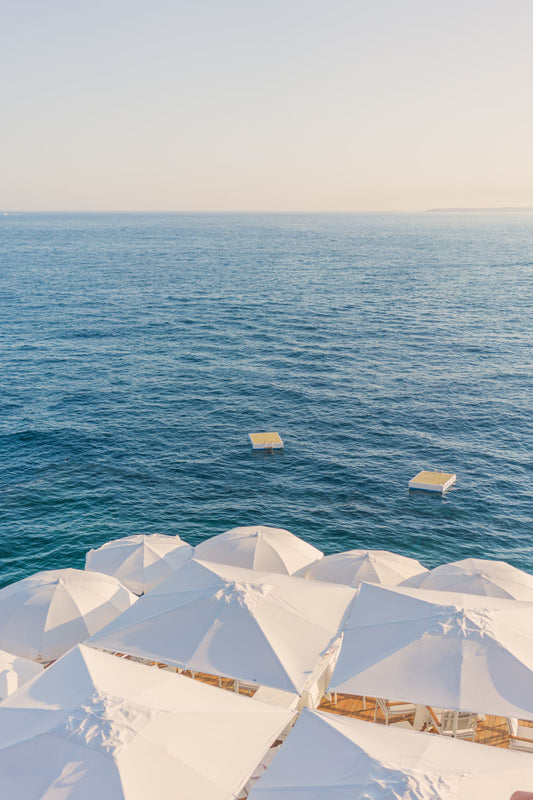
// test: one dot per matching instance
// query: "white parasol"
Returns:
(15, 672)
(266, 628)
(140, 562)
(477, 576)
(258, 547)
(459, 652)
(330, 757)
(97, 726)
(44, 615)
(355, 566)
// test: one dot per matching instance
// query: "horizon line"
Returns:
(457, 209)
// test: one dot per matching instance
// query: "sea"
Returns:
(137, 351)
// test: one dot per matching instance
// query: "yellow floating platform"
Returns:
(433, 481)
(266, 441)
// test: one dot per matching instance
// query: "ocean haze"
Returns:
(138, 351)
(309, 106)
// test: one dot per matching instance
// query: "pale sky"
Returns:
(239, 105)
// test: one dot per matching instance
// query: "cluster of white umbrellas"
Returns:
(260, 606)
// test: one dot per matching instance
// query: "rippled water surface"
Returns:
(137, 352)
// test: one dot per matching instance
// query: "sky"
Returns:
(240, 105)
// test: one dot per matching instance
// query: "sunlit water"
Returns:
(138, 351)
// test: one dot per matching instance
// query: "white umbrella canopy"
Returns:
(460, 652)
(44, 615)
(266, 628)
(477, 576)
(97, 726)
(355, 566)
(330, 757)
(15, 672)
(140, 562)
(258, 547)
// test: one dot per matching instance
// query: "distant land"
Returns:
(501, 208)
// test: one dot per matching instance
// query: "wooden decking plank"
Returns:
(491, 731)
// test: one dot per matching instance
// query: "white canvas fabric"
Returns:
(15, 672)
(477, 576)
(355, 566)
(44, 615)
(330, 757)
(97, 727)
(265, 628)
(258, 547)
(140, 562)
(459, 652)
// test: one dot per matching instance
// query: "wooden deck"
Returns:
(213, 680)
(492, 730)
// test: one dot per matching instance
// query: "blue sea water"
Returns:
(137, 352)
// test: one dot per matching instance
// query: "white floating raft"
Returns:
(433, 481)
(266, 441)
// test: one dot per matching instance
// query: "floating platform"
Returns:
(266, 441)
(433, 481)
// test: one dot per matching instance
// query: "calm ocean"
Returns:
(137, 352)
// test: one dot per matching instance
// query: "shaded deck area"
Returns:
(229, 684)
(490, 730)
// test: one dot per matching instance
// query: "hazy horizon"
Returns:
(266, 212)
(234, 108)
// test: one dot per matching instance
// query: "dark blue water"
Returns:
(137, 352)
